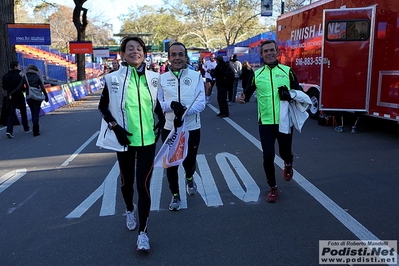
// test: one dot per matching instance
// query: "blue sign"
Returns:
(29, 34)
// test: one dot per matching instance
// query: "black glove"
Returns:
(284, 93)
(178, 109)
(177, 122)
(121, 135)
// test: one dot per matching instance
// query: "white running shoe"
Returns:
(131, 220)
(143, 242)
(174, 203)
(191, 187)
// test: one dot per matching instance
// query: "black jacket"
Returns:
(11, 81)
(219, 73)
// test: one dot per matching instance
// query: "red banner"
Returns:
(80, 47)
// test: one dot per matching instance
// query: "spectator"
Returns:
(237, 67)
(246, 73)
(10, 81)
(221, 84)
(115, 65)
(209, 80)
(33, 79)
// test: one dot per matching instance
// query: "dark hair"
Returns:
(178, 43)
(33, 67)
(127, 39)
(14, 64)
(267, 42)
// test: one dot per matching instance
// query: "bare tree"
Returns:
(80, 22)
(217, 23)
(7, 52)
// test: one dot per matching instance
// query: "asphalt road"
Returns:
(61, 203)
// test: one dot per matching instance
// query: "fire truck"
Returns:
(345, 54)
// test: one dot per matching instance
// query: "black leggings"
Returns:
(189, 164)
(268, 135)
(142, 170)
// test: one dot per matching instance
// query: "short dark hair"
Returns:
(14, 64)
(178, 43)
(267, 42)
(127, 39)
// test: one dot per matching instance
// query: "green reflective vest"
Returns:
(267, 80)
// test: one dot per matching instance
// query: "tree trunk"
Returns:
(7, 52)
(80, 22)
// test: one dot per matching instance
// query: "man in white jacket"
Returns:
(179, 88)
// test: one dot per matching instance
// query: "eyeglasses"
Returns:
(177, 54)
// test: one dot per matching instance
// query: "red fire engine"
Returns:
(346, 54)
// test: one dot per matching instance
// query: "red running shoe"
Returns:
(288, 172)
(272, 196)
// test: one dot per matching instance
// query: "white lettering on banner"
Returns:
(253, 190)
(306, 33)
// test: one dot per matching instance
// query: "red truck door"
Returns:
(346, 52)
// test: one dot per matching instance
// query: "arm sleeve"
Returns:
(199, 104)
(20, 86)
(159, 112)
(103, 106)
(250, 89)
(164, 105)
(41, 84)
(294, 84)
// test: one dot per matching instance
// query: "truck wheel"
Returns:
(314, 108)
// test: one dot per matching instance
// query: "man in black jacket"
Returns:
(11, 81)
(219, 74)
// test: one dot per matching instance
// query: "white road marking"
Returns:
(107, 189)
(252, 190)
(346, 219)
(206, 185)
(156, 188)
(76, 153)
(10, 178)
(109, 195)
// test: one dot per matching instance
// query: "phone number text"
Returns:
(308, 61)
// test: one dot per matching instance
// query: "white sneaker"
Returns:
(174, 203)
(191, 187)
(131, 220)
(143, 242)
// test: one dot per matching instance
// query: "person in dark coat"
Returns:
(246, 73)
(32, 75)
(219, 74)
(11, 80)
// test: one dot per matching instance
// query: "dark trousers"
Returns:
(222, 100)
(233, 92)
(268, 135)
(137, 162)
(12, 116)
(35, 111)
(189, 164)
